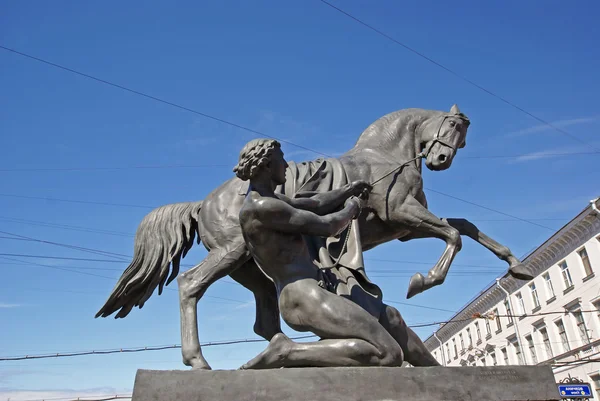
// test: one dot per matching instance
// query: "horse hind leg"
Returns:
(267, 322)
(192, 286)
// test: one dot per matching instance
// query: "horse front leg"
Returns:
(424, 224)
(516, 268)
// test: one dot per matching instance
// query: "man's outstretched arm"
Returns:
(280, 216)
(322, 203)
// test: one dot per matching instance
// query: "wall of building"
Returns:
(556, 316)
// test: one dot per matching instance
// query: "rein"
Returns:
(324, 282)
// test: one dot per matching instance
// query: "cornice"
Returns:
(565, 241)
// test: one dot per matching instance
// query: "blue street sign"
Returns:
(579, 390)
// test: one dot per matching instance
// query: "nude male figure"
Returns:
(273, 226)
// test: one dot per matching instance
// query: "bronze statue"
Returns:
(274, 227)
(387, 155)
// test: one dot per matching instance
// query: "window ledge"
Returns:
(498, 331)
(510, 324)
(588, 277)
(479, 342)
(566, 291)
(536, 309)
(523, 316)
(488, 336)
(551, 300)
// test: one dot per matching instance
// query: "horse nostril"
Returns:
(442, 158)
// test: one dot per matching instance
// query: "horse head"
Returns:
(442, 136)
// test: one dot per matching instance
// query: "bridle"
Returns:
(423, 155)
(324, 282)
(436, 138)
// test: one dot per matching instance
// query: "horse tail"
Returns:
(164, 236)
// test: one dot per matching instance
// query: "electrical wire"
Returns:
(240, 126)
(250, 130)
(219, 343)
(463, 78)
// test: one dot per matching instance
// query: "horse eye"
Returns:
(452, 123)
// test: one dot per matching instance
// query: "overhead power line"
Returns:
(158, 99)
(65, 226)
(191, 166)
(113, 255)
(107, 168)
(50, 199)
(137, 349)
(216, 119)
(456, 74)
(225, 342)
(106, 277)
(75, 270)
(22, 255)
(124, 256)
(152, 207)
(85, 398)
(490, 209)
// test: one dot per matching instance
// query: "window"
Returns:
(469, 337)
(563, 335)
(505, 356)
(508, 311)
(478, 331)
(568, 282)
(462, 343)
(498, 325)
(531, 349)
(549, 288)
(546, 340)
(518, 352)
(597, 306)
(585, 261)
(493, 356)
(488, 330)
(520, 304)
(448, 351)
(583, 332)
(534, 295)
(482, 360)
(455, 349)
(596, 382)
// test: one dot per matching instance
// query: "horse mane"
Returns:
(385, 128)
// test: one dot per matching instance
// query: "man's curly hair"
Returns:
(253, 156)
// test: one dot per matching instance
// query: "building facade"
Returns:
(553, 319)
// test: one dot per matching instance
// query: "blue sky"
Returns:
(299, 71)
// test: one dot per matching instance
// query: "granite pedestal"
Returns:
(507, 383)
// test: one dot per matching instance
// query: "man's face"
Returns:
(278, 165)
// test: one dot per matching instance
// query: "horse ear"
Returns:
(455, 110)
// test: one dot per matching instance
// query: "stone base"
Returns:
(507, 383)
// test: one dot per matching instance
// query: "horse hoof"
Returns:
(416, 285)
(520, 272)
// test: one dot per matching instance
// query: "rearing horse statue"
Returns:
(388, 154)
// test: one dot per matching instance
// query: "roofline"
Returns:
(593, 206)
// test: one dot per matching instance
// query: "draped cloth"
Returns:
(343, 273)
